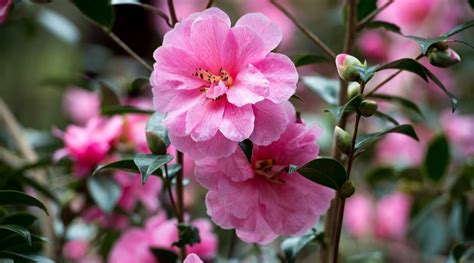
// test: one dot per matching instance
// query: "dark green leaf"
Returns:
(99, 11)
(385, 25)
(18, 230)
(11, 197)
(327, 89)
(462, 26)
(173, 169)
(157, 135)
(471, 3)
(149, 164)
(386, 117)
(17, 257)
(104, 191)
(457, 252)
(119, 109)
(406, 64)
(379, 175)
(325, 171)
(437, 158)
(293, 245)
(365, 140)
(452, 98)
(6, 260)
(38, 187)
(23, 219)
(247, 147)
(124, 165)
(108, 97)
(365, 7)
(351, 106)
(307, 59)
(405, 103)
(137, 85)
(164, 255)
(366, 73)
(188, 235)
(426, 43)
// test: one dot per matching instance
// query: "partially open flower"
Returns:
(347, 67)
(443, 58)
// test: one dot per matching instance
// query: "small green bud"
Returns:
(342, 139)
(443, 58)
(353, 89)
(347, 67)
(155, 143)
(367, 108)
(347, 189)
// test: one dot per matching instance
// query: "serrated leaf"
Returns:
(99, 11)
(122, 109)
(363, 141)
(408, 104)
(351, 106)
(385, 25)
(365, 7)
(247, 147)
(308, 59)
(11, 197)
(327, 89)
(437, 158)
(18, 230)
(149, 164)
(104, 191)
(386, 117)
(325, 171)
(460, 27)
(164, 255)
(156, 134)
(293, 245)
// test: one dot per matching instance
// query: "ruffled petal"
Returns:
(270, 122)
(264, 27)
(237, 122)
(203, 120)
(249, 87)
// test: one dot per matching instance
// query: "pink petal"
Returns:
(214, 14)
(281, 74)
(166, 99)
(264, 27)
(270, 122)
(203, 120)
(251, 47)
(217, 147)
(249, 87)
(261, 233)
(237, 122)
(237, 166)
(192, 258)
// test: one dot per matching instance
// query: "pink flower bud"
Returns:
(443, 58)
(347, 67)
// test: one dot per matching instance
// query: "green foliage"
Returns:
(327, 89)
(325, 171)
(385, 25)
(363, 141)
(365, 7)
(293, 245)
(247, 147)
(460, 27)
(351, 106)
(386, 117)
(99, 11)
(308, 59)
(188, 235)
(437, 158)
(157, 135)
(405, 103)
(11, 197)
(149, 164)
(104, 191)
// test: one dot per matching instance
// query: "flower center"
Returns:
(269, 170)
(207, 76)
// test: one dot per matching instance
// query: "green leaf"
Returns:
(137, 85)
(173, 170)
(307, 59)
(108, 97)
(363, 141)
(437, 158)
(164, 255)
(325, 171)
(385, 25)
(351, 106)
(23, 219)
(426, 43)
(99, 11)
(124, 165)
(405, 103)
(429, 231)
(38, 187)
(16, 257)
(458, 251)
(386, 117)
(157, 135)
(18, 230)
(293, 245)
(327, 89)
(462, 26)
(247, 147)
(149, 164)
(188, 235)
(365, 7)
(452, 98)
(121, 109)
(6, 260)
(104, 191)
(11, 197)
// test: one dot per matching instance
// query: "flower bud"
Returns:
(343, 140)
(443, 58)
(347, 67)
(367, 108)
(347, 189)
(353, 89)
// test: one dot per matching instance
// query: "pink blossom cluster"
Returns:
(220, 85)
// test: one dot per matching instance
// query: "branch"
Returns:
(174, 19)
(372, 15)
(305, 30)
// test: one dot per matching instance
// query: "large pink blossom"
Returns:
(81, 105)
(459, 130)
(260, 199)
(4, 6)
(88, 146)
(134, 244)
(220, 85)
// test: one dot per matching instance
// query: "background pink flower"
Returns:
(75, 249)
(134, 191)
(81, 105)
(359, 216)
(459, 130)
(260, 200)
(225, 89)
(4, 6)
(392, 216)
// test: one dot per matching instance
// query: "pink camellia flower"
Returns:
(192, 258)
(88, 146)
(134, 245)
(359, 215)
(75, 249)
(260, 199)
(133, 191)
(391, 216)
(4, 6)
(220, 85)
(459, 130)
(81, 105)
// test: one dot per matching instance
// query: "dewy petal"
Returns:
(249, 87)
(270, 122)
(281, 74)
(203, 120)
(266, 29)
(237, 122)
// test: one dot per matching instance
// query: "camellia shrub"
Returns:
(236, 131)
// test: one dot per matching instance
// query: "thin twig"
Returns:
(174, 18)
(127, 49)
(170, 192)
(305, 30)
(209, 4)
(372, 15)
(389, 78)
